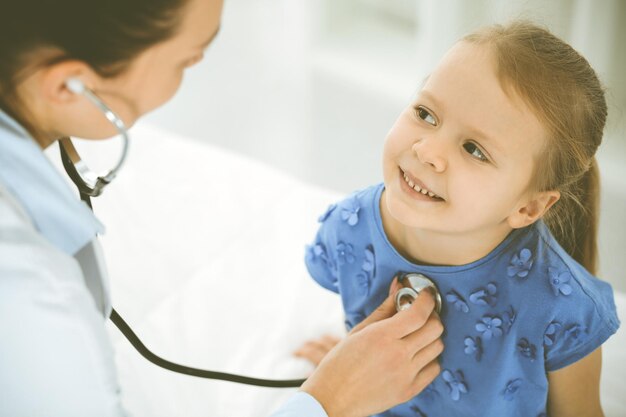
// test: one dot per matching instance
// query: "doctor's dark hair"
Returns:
(564, 92)
(105, 34)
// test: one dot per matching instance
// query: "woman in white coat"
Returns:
(55, 356)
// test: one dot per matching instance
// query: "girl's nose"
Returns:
(430, 152)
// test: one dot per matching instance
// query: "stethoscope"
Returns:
(90, 184)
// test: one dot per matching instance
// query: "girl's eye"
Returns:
(475, 151)
(425, 115)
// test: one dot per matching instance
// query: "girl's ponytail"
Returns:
(574, 219)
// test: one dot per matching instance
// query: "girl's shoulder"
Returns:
(356, 208)
(577, 309)
(565, 274)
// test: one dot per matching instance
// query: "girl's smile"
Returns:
(416, 189)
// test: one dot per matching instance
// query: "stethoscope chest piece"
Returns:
(413, 283)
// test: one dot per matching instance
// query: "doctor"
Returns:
(55, 357)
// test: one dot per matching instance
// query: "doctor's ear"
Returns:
(533, 209)
(62, 83)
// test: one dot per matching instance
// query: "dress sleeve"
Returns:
(301, 404)
(55, 355)
(581, 325)
(320, 257)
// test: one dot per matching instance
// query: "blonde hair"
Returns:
(563, 90)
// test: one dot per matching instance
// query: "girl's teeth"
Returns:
(417, 187)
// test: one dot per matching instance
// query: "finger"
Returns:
(328, 341)
(425, 376)
(429, 332)
(413, 318)
(428, 354)
(312, 352)
(384, 311)
(395, 286)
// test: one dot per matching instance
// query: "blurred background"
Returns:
(312, 86)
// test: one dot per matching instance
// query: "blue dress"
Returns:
(525, 309)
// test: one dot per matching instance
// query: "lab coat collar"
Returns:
(55, 210)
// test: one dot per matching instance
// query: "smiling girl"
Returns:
(491, 190)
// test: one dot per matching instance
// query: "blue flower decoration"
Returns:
(508, 318)
(549, 337)
(353, 318)
(367, 270)
(559, 281)
(369, 262)
(457, 301)
(363, 283)
(474, 347)
(350, 212)
(485, 295)
(429, 393)
(520, 264)
(511, 388)
(527, 349)
(456, 383)
(575, 332)
(316, 252)
(415, 409)
(490, 326)
(344, 253)
(329, 210)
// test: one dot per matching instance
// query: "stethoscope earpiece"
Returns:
(75, 85)
(88, 182)
(414, 283)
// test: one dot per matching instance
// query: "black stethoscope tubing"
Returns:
(88, 185)
(134, 340)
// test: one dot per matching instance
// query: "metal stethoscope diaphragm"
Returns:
(412, 284)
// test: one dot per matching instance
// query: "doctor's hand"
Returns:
(386, 360)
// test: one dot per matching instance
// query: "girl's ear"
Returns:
(533, 209)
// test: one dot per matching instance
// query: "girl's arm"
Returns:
(575, 390)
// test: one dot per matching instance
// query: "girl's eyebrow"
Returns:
(431, 97)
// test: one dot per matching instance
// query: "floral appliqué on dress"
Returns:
(485, 296)
(456, 383)
(559, 281)
(350, 212)
(520, 264)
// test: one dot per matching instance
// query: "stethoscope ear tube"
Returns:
(88, 182)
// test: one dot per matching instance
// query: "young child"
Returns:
(491, 190)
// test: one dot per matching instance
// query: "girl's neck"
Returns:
(424, 246)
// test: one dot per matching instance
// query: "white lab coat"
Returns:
(55, 356)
